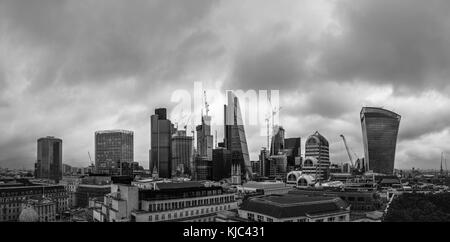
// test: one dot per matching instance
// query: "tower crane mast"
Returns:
(348, 151)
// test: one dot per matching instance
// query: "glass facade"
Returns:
(380, 130)
(235, 139)
(49, 159)
(161, 144)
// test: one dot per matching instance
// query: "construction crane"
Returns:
(89, 154)
(272, 115)
(348, 151)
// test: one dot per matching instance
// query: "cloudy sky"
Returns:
(69, 68)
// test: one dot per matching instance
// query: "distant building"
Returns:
(182, 157)
(264, 188)
(380, 129)
(278, 166)
(15, 192)
(89, 191)
(293, 150)
(203, 168)
(235, 139)
(264, 163)
(221, 164)
(294, 208)
(162, 130)
(278, 141)
(117, 205)
(49, 159)
(317, 156)
(113, 151)
(204, 138)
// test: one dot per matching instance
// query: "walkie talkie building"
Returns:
(380, 130)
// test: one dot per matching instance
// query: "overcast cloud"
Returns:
(70, 68)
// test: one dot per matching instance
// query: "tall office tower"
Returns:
(114, 151)
(317, 147)
(264, 162)
(277, 145)
(49, 159)
(278, 166)
(235, 139)
(161, 144)
(293, 151)
(181, 153)
(221, 164)
(204, 138)
(380, 129)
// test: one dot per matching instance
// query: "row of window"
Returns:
(193, 203)
(197, 212)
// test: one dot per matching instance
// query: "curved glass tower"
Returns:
(380, 130)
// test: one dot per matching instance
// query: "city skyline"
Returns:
(329, 59)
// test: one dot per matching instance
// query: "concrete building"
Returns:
(380, 129)
(294, 208)
(117, 205)
(183, 202)
(162, 130)
(167, 201)
(317, 156)
(113, 151)
(15, 192)
(49, 159)
(45, 210)
(182, 154)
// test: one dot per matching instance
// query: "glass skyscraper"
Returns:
(380, 130)
(161, 143)
(235, 139)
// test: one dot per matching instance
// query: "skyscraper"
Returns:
(221, 164)
(235, 139)
(161, 143)
(204, 138)
(114, 150)
(181, 153)
(380, 129)
(277, 141)
(49, 159)
(317, 147)
(293, 150)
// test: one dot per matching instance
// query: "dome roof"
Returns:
(28, 214)
(317, 138)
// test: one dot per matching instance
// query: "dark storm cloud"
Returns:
(69, 68)
(99, 41)
(403, 42)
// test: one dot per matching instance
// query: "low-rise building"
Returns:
(45, 210)
(294, 208)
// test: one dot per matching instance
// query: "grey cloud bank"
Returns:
(69, 68)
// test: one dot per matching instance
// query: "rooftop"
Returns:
(289, 205)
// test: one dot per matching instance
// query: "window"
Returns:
(342, 218)
(331, 219)
(169, 216)
(156, 217)
(269, 220)
(301, 220)
(150, 218)
(163, 217)
(319, 220)
(251, 216)
(260, 218)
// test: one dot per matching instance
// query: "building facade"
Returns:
(380, 129)
(49, 159)
(277, 145)
(113, 150)
(182, 154)
(221, 164)
(317, 156)
(235, 139)
(14, 194)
